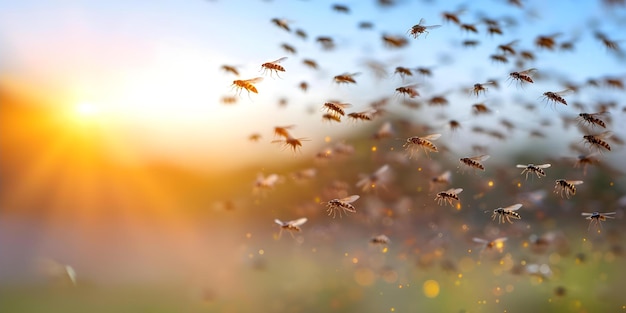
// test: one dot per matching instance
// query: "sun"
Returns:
(87, 110)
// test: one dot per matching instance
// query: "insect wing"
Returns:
(521, 166)
(479, 240)
(513, 207)
(279, 60)
(481, 158)
(279, 222)
(432, 137)
(349, 199)
(298, 222)
(381, 170)
(543, 165)
(574, 182)
(454, 191)
(254, 80)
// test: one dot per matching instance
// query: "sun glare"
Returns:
(87, 110)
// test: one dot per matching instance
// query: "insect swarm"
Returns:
(506, 213)
(531, 168)
(420, 28)
(597, 218)
(448, 195)
(247, 84)
(341, 205)
(567, 187)
(291, 226)
(414, 143)
(273, 67)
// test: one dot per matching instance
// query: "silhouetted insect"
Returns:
(302, 34)
(597, 218)
(452, 16)
(254, 137)
(506, 213)
(247, 84)
(341, 205)
(326, 42)
(566, 186)
(230, 69)
(282, 23)
(419, 29)
(288, 48)
(310, 63)
(480, 88)
(341, 8)
(480, 108)
(597, 141)
(408, 90)
(363, 115)
(345, 78)
(282, 131)
(392, 41)
(413, 143)
(531, 168)
(291, 226)
(289, 141)
(474, 162)
(469, 28)
(380, 240)
(403, 71)
(273, 67)
(508, 47)
(546, 42)
(448, 196)
(608, 43)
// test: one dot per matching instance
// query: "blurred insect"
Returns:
(230, 69)
(506, 213)
(273, 67)
(419, 29)
(380, 240)
(346, 78)
(327, 42)
(363, 115)
(310, 63)
(448, 196)
(567, 187)
(523, 76)
(413, 143)
(494, 30)
(302, 34)
(289, 141)
(508, 47)
(556, 96)
(438, 101)
(481, 88)
(527, 55)
(265, 183)
(229, 100)
(585, 160)
(254, 137)
(392, 41)
(452, 16)
(593, 118)
(372, 181)
(304, 175)
(330, 117)
(288, 48)
(470, 28)
(336, 108)
(366, 25)
(341, 8)
(282, 23)
(291, 226)
(474, 162)
(403, 71)
(425, 71)
(597, 218)
(247, 84)
(442, 179)
(546, 42)
(470, 43)
(597, 141)
(385, 131)
(282, 131)
(531, 168)
(304, 86)
(341, 205)
(608, 43)
(496, 244)
(480, 108)
(408, 90)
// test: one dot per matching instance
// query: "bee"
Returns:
(291, 226)
(474, 162)
(497, 244)
(394, 41)
(282, 131)
(546, 42)
(336, 108)
(230, 69)
(470, 28)
(282, 23)
(346, 78)
(523, 76)
(288, 48)
(363, 116)
(273, 66)
(481, 88)
(592, 118)
(373, 180)
(289, 141)
(413, 143)
(556, 96)
(380, 240)
(531, 168)
(506, 213)
(508, 47)
(310, 63)
(403, 71)
(597, 141)
(247, 84)
(566, 186)
(597, 218)
(419, 29)
(408, 90)
(448, 196)
(344, 204)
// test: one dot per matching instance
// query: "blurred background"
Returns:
(136, 177)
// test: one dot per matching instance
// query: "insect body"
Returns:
(336, 108)
(282, 23)
(291, 226)
(593, 118)
(474, 162)
(566, 186)
(556, 96)
(442, 179)
(597, 141)
(338, 205)
(413, 143)
(363, 115)
(523, 76)
(230, 69)
(408, 90)
(507, 213)
(419, 29)
(247, 84)
(380, 240)
(597, 218)
(273, 67)
(346, 78)
(480, 88)
(585, 160)
(289, 141)
(448, 196)
(531, 168)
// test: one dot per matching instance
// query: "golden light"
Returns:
(87, 110)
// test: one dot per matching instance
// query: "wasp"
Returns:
(413, 143)
(474, 162)
(597, 141)
(556, 96)
(380, 240)
(531, 168)
(291, 226)
(481, 88)
(408, 90)
(247, 84)
(497, 243)
(346, 78)
(592, 118)
(230, 69)
(282, 23)
(289, 141)
(310, 63)
(273, 66)
(546, 42)
(420, 28)
(448, 196)
(506, 213)
(566, 186)
(597, 218)
(336, 108)
(379, 177)
(344, 204)
(523, 76)
(363, 116)
(395, 41)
